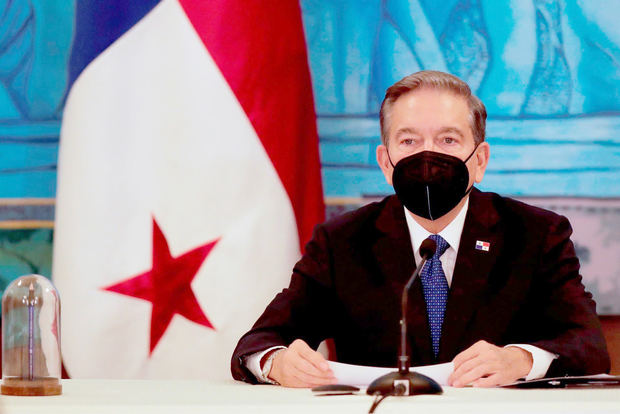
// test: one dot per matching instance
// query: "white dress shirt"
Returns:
(452, 234)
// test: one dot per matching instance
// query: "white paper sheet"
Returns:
(364, 375)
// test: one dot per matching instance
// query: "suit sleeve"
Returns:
(572, 329)
(301, 311)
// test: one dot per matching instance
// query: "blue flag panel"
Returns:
(98, 25)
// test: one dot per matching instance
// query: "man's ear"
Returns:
(384, 163)
(483, 153)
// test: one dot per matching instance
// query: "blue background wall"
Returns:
(548, 72)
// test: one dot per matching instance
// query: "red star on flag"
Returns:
(167, 285)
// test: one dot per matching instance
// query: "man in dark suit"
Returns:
(502, 297)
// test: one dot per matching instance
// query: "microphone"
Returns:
(403, 381)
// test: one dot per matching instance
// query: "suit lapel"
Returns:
(394, 256)
(471, 273)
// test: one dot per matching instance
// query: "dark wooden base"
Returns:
(35, 387)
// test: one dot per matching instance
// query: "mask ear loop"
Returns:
(388, 153)
(465, 162)
(470, 155)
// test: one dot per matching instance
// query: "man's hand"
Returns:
(300, 366)
(487, 365)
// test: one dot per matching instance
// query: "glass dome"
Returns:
(31, 363)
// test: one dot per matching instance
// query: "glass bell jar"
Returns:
(31, 363)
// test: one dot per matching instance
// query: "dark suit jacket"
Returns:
(525, 289)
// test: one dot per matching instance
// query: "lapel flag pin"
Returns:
(482, 245)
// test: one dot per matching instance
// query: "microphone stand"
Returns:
(404, 381)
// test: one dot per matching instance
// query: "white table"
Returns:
(172, 397)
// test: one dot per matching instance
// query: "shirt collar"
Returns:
(451, 233)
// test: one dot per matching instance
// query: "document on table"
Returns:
(364, 375)
(585, 381)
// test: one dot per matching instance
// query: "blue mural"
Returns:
(35, 38)
(547, 70)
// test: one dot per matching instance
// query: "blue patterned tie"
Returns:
(435, 288)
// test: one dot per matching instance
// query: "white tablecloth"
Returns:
(172, 397)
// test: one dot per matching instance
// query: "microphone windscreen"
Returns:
(427, 249)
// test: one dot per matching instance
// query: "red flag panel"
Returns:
(260, 49)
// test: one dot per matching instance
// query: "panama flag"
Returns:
(188, 180)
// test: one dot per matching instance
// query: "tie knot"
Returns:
(442, 245)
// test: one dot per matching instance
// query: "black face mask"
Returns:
(430, 184)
